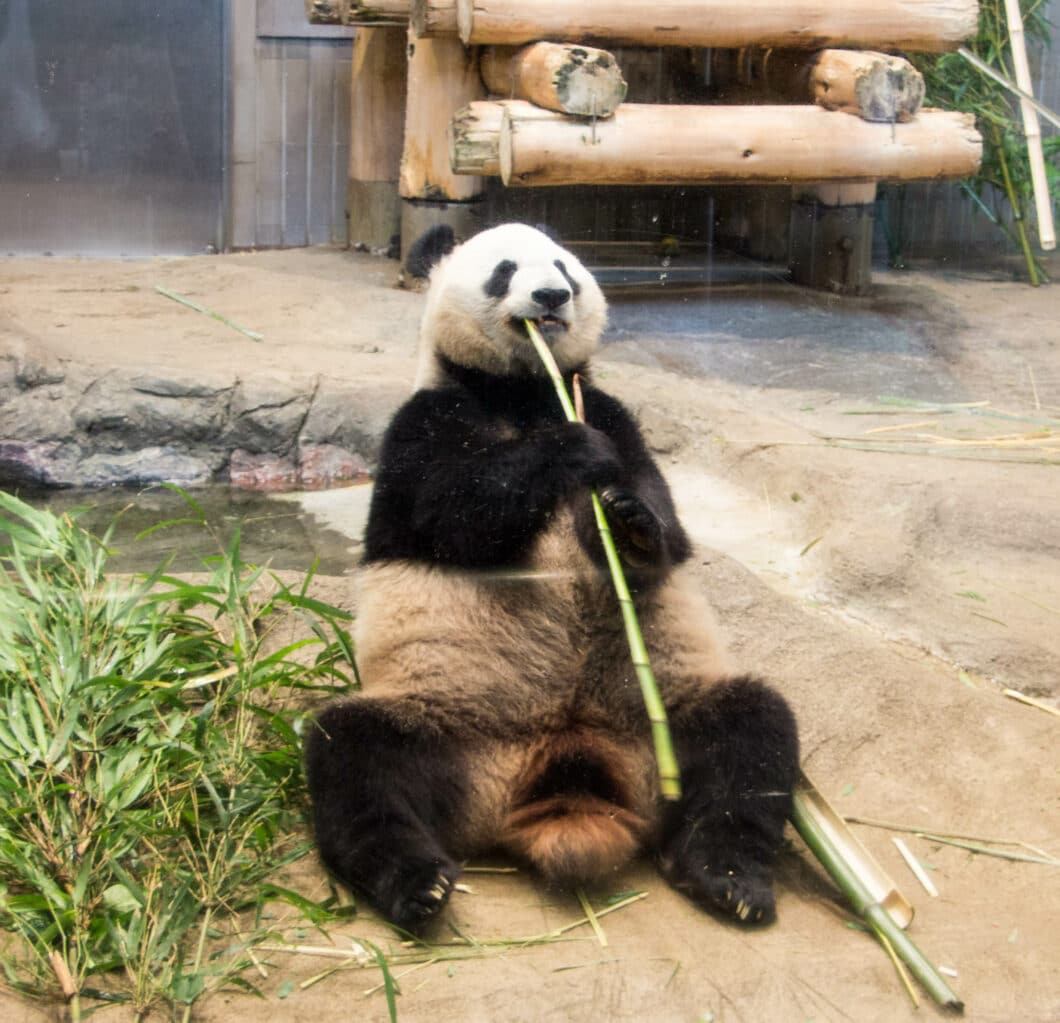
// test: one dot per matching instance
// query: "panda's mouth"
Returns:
(547, 324)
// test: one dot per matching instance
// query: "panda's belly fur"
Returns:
(528, 669)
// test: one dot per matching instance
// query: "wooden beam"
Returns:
(872, 85)
(377, 116)
(430, 18)
(475, 133)
(443, 77)
(801, 24)
(566, 77)
(649, 144)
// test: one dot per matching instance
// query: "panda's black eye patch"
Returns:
(575, 287)
(500, 279)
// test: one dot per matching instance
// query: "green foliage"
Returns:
(149, 759)
(1004, 179)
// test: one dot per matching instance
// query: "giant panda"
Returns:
(499, 707)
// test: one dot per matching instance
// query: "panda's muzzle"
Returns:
(550, 299)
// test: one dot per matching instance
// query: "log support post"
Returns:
(377, 113)
(443, 77)
(831, 237)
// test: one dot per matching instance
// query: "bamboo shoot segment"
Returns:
(648, 144)
(558, 76)
(801, 24)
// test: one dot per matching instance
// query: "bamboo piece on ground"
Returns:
(801, 24)
(669, 773)
(871, 912)
(572, 79)
(430, 18)
(874, 86)
(675, 145)
(1031, 128)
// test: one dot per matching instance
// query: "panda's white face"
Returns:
(481, 293)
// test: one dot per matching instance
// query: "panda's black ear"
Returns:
(428, 250)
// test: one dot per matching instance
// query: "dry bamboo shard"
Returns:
(566, 77)
(801, 24)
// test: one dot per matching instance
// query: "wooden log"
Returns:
(650, 144)
(475, 133)
(557, 76)
(831, 237)
(430, 18)
(802, 24)
(324, 12)
(875, 86)
(371, 12)
(377, 115)
(442, 78)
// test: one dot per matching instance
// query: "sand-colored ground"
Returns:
(892, 567)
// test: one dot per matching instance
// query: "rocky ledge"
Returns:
(65, 424)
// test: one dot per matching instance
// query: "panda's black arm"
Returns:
(640, 508)
(456, 486)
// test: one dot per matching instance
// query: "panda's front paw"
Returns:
(636, 527)
(421, 893)
(744, 896)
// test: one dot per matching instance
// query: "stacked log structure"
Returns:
(557, 115)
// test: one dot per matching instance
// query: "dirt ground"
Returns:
(874, 485)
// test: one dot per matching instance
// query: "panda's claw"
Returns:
(424, 896)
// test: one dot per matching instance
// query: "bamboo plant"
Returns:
(669, 773)
(1004, 177)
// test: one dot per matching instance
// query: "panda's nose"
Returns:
(550, 298)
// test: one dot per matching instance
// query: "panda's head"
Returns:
(482, 291)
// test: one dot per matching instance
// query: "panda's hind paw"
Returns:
(422, 895)
(745, 897)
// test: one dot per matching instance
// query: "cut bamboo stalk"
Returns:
(430, 18)
(565, 77)
(1031, 128)
(675, 145)
(863, 903)
(665, 760)
(932, 25)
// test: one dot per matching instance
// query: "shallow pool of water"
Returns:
(274, 530)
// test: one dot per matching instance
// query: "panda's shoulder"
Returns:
(436, 405)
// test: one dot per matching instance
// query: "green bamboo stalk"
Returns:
(669, 773)
(878, 919)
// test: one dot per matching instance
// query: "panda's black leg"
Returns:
(738, 752)
(384, 796)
